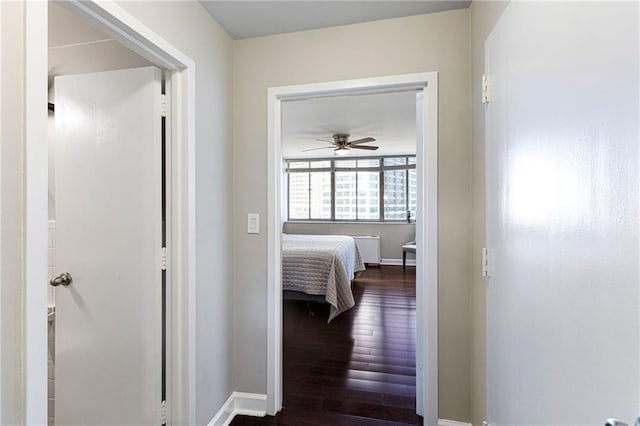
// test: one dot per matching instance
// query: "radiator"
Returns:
(369, 247)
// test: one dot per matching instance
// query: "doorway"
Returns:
(359, 360)
(426, 226)
(108, 216)
(181, 129)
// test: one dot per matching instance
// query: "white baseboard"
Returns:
(397, 262)
(443, 422)
(240, 403)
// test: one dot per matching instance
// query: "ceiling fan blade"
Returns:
(371, 148)
(363, 140)
(313, 149)
(331, 141)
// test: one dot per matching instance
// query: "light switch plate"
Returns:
(253, 223)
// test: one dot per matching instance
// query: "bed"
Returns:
(320, 265)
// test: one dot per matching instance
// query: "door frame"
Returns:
(426, 227)
(132, 33)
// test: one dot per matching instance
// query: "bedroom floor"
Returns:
(360, 368)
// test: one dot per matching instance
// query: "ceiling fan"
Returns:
(341, 144)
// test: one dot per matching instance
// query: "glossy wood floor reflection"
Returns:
(360, 368)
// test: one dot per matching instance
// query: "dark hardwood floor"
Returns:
(360, 368)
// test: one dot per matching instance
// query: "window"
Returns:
(365, 189)
(310, 190)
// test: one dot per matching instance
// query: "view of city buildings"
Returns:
(358, 189)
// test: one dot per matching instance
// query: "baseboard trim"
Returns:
(397, 262)
(443, 422)
(240, 403)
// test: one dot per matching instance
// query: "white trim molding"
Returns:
(36, 212)
(240, 403)
(426, 87)
(396, 262)
(443, 422)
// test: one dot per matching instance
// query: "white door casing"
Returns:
(562, 160)
(108, 237)
(425, 84)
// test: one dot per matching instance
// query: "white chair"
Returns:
(408, 247)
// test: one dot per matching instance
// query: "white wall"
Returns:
(392, 235)
(435, 42)
(483, 16)
(11, 211)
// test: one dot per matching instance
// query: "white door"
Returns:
(108, 238)
(562, 160)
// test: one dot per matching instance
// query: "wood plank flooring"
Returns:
(360, 368)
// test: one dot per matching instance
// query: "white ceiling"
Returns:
(390, 118)
(245, 19)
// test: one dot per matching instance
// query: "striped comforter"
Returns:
(321, 265)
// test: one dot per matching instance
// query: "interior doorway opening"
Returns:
(425, 85)
(349, 327)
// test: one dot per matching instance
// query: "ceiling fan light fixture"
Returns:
(343, 150)
(341, 144)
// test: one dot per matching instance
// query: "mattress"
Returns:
(321, 265)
